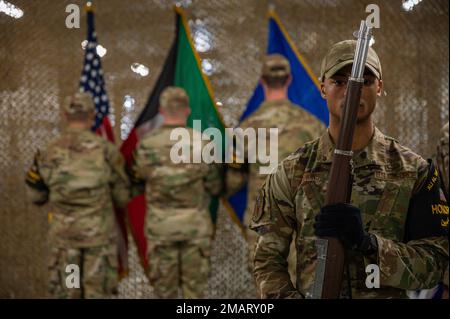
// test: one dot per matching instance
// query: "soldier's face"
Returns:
(334, 89)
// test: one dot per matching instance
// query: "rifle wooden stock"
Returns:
(339, 189)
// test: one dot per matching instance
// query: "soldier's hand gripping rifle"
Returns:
(330, 252)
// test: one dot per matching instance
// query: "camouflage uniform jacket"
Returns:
(295, 127)
(386, 175)
(177, 194)
(81, 175)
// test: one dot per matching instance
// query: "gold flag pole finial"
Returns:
(89, 7)
(270, 6)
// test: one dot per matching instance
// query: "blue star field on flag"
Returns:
(92, 75)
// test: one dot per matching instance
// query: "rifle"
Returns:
(330, 252)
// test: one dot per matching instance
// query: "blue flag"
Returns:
(303, 91)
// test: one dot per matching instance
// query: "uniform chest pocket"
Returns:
(310, 199)
(388, 219)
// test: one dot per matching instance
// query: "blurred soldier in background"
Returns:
(295, 127)
(81, 175)
(178, 224)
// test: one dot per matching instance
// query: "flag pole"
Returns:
(89, 7)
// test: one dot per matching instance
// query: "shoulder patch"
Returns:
(259, 206)
(427, 212)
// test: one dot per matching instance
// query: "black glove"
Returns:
(343, 221)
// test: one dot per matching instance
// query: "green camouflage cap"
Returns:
(80, 102)
(275, 65)
(174, 97)
(342, 54)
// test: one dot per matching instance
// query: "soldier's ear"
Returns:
(265, 88)
(63, 117)
(380, 87)
(187, 111)
(289, 81)
(322, 90)
(91, 117)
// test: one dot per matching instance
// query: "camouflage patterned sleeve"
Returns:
(420, 261)
(119, 182)
(37, 189)
(274, 221)
(419, 264)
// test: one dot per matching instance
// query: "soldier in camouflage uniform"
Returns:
(395, 218)
(81, 175)
(178, 224)
(295, 127)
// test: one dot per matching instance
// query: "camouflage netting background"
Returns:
(41, 61)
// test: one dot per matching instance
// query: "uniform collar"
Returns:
(373, 153)
(274, 103)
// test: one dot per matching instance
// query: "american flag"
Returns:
(92, 81)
